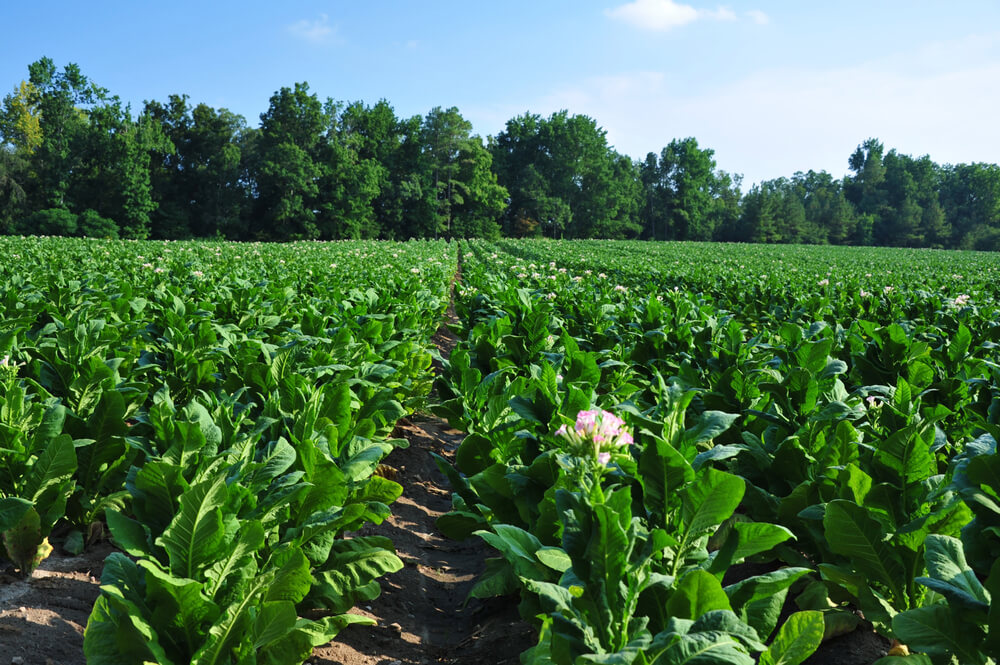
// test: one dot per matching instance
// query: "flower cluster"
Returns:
(8, 371)
(597, 434)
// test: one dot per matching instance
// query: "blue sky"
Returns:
(772, 86)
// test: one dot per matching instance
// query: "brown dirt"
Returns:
(42, 618)
(863, 646)
(422, 615)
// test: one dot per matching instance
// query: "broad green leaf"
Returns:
(709, 501)
(111, 639)
(745, 539)
(12, 509)
(907, 453)
(555, 558)
(123, 586)
(850, 532)
(74, 543)
(55, 464)
(238, 564)
(519, 548)
(663, 472)
(959, 344)
(713, 647)
(352, 565)
(130, 535)
(813, 355)
(912, 659)
(724, 621)
(992, 642)
(178, 608)
(715, 453)
(50, 428)
(322, 631)
(697, 592)
(460, 524)
(498, 579)
(25, 543)
(287, 581)
(710, 425)
(196, 536)
(473, 454)
(274, 621)
(277, 458)
(758, 599)
(902, 396)
(933, 630)
(950, 575)
(855, 484)
(797, 639)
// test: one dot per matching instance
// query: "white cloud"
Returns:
(317, 31)
(663, 15)
(776, 122)
(655, 14)
(720, 14)
(758, 17)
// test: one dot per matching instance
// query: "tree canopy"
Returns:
(75, 160)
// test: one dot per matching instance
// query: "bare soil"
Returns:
(422, 614)
(862, 646)
(42, 618)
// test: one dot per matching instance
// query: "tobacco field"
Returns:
(680, 453)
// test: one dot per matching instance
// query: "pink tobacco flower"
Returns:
(596, 433)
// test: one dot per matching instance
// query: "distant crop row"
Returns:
(642, 419)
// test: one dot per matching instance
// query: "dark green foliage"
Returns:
(13, 179)
(564, 179)
(323, 170)
(687, 199)
(91, 225)
(51, 221)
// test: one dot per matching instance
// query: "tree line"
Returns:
(75, 160)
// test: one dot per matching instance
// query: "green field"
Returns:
(829, 414)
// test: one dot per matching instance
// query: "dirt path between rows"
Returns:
(42, 619)
(422, 615)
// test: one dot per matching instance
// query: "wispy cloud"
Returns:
(316, 31)
(929, 100)
(664, 15)
(758, 17)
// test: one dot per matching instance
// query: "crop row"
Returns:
(223, 409)
(650, 426)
